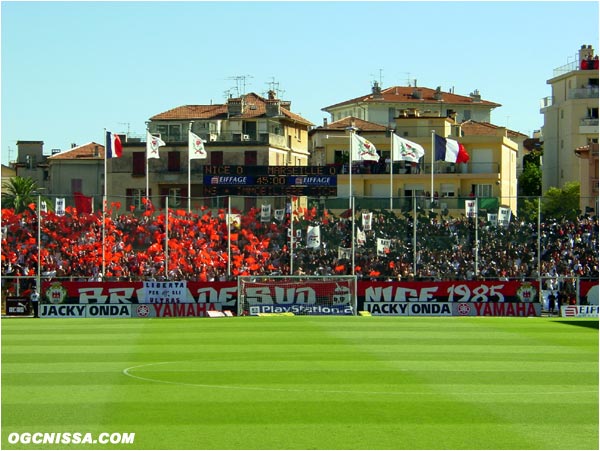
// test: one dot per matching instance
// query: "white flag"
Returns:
(405, 150)
(196, 148)
(470, 208)
(234, 220)
(493, 218)
(44, 206)
(504, 214)
(344, 252)
(265, 213)
(367, 220)
(363, 149)
(313, 237)
(152, 145)
(383, 246)
(59, 206)
(279, 214)
(361, 237)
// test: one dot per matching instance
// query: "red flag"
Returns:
(83, 203)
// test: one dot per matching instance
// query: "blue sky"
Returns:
(71, 69)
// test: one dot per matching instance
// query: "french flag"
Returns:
(450, 150)
(114, 149)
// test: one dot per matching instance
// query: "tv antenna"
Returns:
(240, 83)
(380, 77)
(274, 86)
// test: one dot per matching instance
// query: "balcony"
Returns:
(232, 138)
(546, 102)
(588, 126)
(569, 67)
(591, 92)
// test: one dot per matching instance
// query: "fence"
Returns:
(223, 237)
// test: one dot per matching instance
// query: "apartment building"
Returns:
(570, 118)
(382, 106)
(246, 131)
(490, 174)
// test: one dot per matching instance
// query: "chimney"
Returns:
(235, 107)
(437, 95)
(73, 145)
(376, 91)
(324, 122)
(586, 53)
(273, 107)
(475, 96)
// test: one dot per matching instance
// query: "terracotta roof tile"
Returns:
(350, 121)
(470, 128)
(255, 106)
(405, 94)
(89, 151)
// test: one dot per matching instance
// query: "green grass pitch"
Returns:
(305, 382)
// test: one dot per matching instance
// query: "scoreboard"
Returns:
(269, 180)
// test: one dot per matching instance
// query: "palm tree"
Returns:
(19, 193)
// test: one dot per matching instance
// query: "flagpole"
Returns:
(432, 160)
(189, 170)
(291, 236)
(391, 169)
(353, 238)
(476, 237)
(147, 174)
(104, 202)
(38, 282)
(350, 159)
(229, 237)
(167, 237)
(414, 234)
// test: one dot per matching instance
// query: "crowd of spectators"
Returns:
(202, 247)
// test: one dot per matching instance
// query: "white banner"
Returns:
(579, 311)
(174, 292)
(470, 208)
(313, 237)
(265, 213)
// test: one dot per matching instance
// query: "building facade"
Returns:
(490, 175)
(588, 176)
(79, 169)
(382, 106)
(570, 118)
(246, 131)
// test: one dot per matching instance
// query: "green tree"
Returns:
(530, 180)
(562, 203)
(19, 193)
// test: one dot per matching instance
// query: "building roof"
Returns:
(351, 121)
(470, 128)
(255, 107)
(417, 96)
(89, 151)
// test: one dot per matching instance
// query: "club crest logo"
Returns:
(143, 311)
(527, 292)
(56, 293)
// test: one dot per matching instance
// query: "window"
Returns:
(447, 190)
(482, 190)
(134, 197)
(216, 157)
(250, 158)
(139, 164)
(592, 113)
(174, 161)
(169, 132)
(76, 185)
(174, 197)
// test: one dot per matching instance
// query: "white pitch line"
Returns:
(127, 372)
